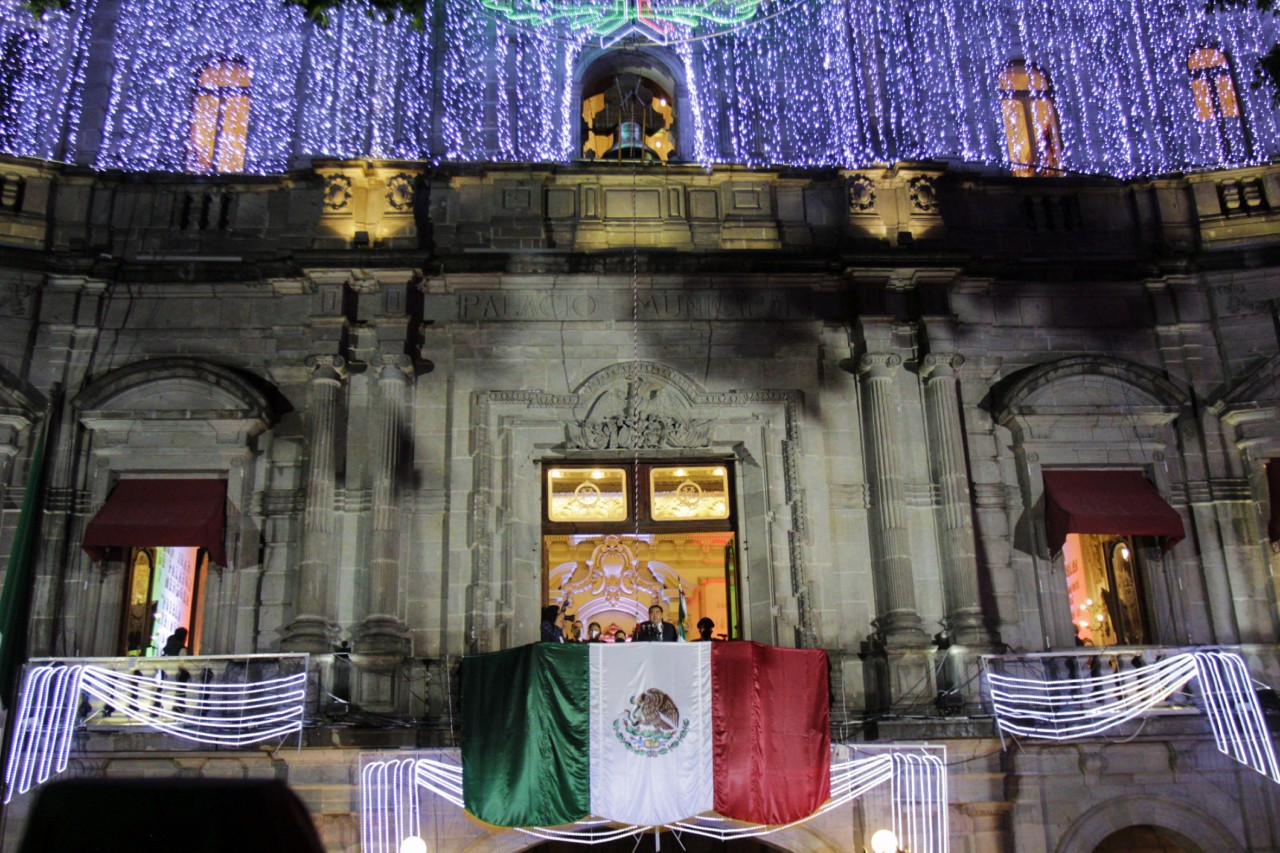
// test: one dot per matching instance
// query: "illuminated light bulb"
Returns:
(884, 841)
(1089, 602)
(1084, 623)
(1101, 618)
(597, 474)
(719, 472)
(1124, 552)
(556, 472)
(680, 472)
(413, 844)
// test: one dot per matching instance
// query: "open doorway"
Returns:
(164, 592)
(619, 538)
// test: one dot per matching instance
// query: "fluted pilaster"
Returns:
(313, 627)
(897, 619)
(963, 600)
(382, 630)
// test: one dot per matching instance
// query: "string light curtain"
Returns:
(161, 48)
(42, 75)
(814, 83)
(1070, 708)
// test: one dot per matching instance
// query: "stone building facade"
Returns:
(385, 359)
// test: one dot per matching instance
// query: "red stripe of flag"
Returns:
(771, 724)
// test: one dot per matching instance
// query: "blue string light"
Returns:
(813, 83)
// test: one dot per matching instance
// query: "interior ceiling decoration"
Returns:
(658, 21)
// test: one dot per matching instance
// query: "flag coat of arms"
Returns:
(645, 734)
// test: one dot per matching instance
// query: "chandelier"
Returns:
(612, 20)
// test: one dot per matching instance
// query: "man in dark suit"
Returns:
(655, 630)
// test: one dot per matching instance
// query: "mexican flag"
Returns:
(645, 733)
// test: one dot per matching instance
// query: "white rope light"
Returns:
(1071, 708)
(920, 801)
(53, 696)
(392, 810)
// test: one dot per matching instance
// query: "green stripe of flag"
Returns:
(18, 577)
(525, 738)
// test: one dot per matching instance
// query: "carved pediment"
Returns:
(638, 407)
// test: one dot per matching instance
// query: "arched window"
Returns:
(627, 115)
(220, 117)
(1031, 131)
(1214, 91)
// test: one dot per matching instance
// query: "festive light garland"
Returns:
(813, 83)
(612, 19)
(392, 811)
(212, 713)
(1071, 708)
(42, 78)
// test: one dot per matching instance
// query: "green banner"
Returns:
(525, 735)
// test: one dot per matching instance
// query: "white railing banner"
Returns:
(1069, 708)
(59, 697)
(392, 808)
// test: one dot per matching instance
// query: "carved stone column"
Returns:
(382, 632)
(313, 628)
(963, 600)
(897, 620)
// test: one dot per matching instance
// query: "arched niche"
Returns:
(184, 419)
(660, 74)
(1180, 818)
(1097, 412)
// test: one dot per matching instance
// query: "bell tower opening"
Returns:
(628, 109)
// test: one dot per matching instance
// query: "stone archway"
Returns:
(1169, 820)
(1147, 839)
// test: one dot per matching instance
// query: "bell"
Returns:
(630, 144)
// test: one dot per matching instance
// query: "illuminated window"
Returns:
(683, 494)
(587, 494)
(627, 116)
(617, 540)
(1214, 90)
(220, 118)
(1032, 136)
(164, 591)
(1105, 591)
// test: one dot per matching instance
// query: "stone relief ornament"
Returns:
(862, 193)
(337, 192)
(639, 415)
(924, 196)
(400, 192)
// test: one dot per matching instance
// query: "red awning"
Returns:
(1273, 493)
(1121, 503)
(158, 513)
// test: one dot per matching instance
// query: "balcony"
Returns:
(1087, 693)
(196, 702)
